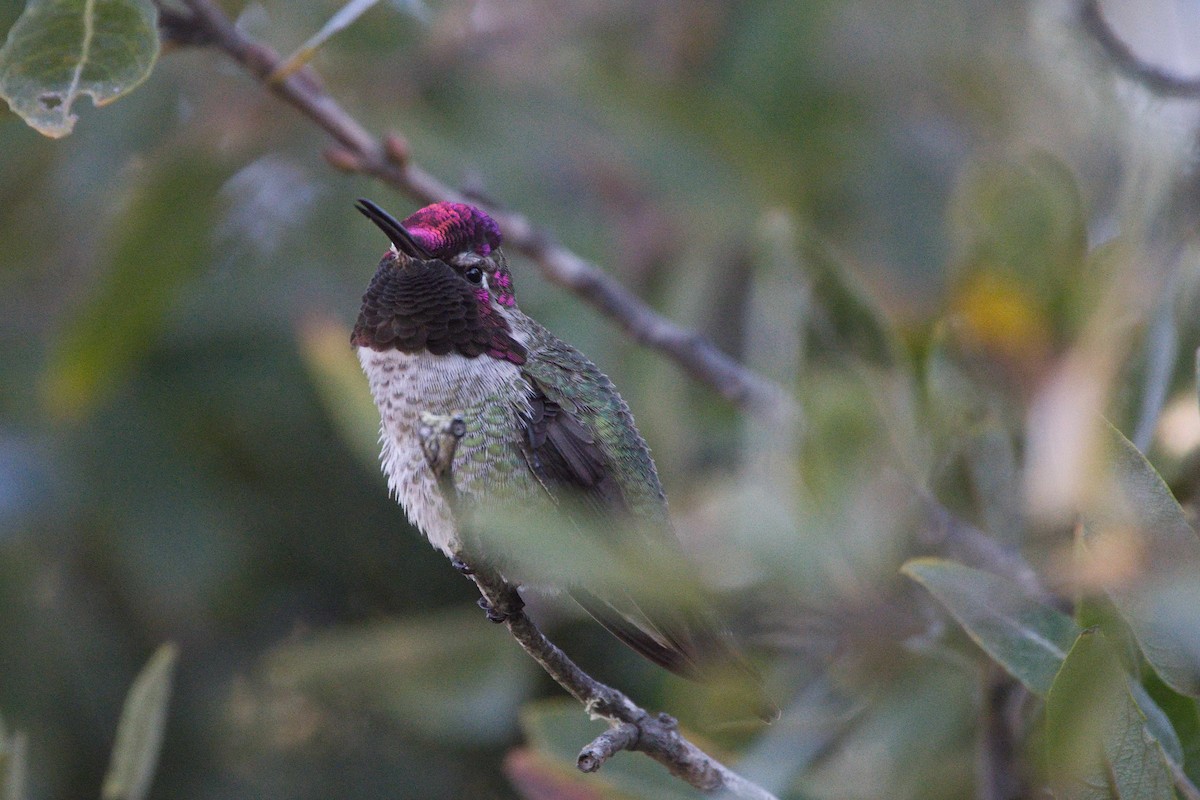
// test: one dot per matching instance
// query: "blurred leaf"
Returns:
(1183, 713)
(976, 473)
(559, 729)
(819, 716)
(776, 305)
(539, 777)
(992, 465)
(1021, 221)
(159, 242)
(140, 731)
(1157, 722)
(450, 676)
(344, 18)
(14, 768)
(1141, 506)
(846, 317)
(1025, 637)
(61, 49)
(1097, 740)
(341, 385)
(913, 740)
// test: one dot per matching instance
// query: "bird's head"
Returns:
(443, 286)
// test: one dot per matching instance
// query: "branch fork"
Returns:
(631, 726)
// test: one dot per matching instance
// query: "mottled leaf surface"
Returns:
(1098, 743)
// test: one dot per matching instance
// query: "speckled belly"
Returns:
(488, 465)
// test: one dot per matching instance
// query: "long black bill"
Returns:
(403, 240)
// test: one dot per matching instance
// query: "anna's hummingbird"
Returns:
(547, 439)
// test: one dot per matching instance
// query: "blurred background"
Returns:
(951, 228)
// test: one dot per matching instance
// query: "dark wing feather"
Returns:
(570, 461)
(674, 647)
(565, 455)
(581, 444)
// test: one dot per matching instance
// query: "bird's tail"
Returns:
(689, 643)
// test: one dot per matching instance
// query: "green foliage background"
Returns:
(950, 228)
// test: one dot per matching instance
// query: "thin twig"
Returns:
(657, 736)
(617, 738)
(1155, 79)
(997, 774)
(632, 727)
(357, 150)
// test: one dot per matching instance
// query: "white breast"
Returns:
(406, 384)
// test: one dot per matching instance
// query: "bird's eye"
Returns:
(474, 275)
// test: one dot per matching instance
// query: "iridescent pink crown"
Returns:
(448, 228)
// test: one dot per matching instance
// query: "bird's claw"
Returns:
(509, 607)
(439, 435)
(462, 566)
(493, 615)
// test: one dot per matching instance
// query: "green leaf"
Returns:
(1027, 638)
(340, 384)
(537, 776)
(344, 18)
(1157, 722)
(1183, 713)
(13, 765)
(845, 316)
(1023, 219)
(140, 732)
(1097, 740)
(158, 243)
(61, 49)
(1140, 505)
(450, 676)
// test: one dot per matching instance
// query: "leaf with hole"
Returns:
(59, 50)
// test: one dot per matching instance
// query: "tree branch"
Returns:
(357, 150)
(632, 727)
(998, 776)
(1155, 79)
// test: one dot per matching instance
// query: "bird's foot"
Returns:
(509, 608)
(462, 566)
(439, 435)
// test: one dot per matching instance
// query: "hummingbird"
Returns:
(545, 436)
